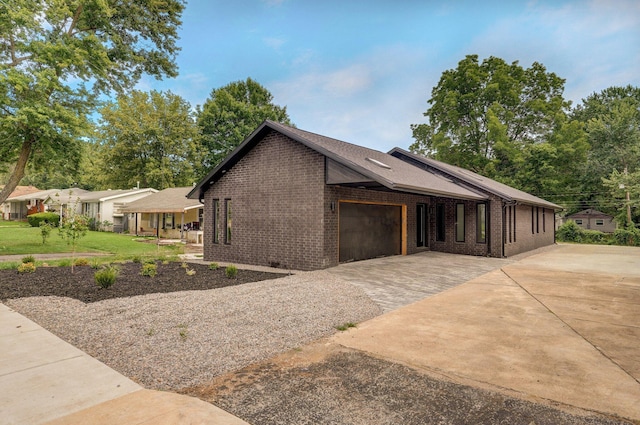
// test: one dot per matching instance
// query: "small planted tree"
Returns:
(45, 231)
(73, 226)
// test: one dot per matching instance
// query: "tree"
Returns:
(231, 113)
(73, 225)
(57, 57)
(611, 120)
(483, 115)
(151, 139)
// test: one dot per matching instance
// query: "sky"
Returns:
(363, 71)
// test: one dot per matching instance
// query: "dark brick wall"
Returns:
(276, 191)
(529, 237)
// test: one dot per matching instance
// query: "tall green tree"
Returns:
(58, 56)
(482, 116)
(611, 119)
(231, 113)
(150, 138)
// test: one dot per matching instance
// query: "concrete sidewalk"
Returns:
(562, 326)
(44, 380)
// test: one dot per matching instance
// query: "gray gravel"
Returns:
(183, 339)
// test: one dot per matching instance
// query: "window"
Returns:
(216, 220)
(481, 223)
(533, 220)
(599, 222)
(459, 222)
(227, 216)
(168, 221)
(537, 220)
(440, 230)
(579, 221)
(200, 218)
(509, 223)
(544, 220)
(421, 225)
(514, 223)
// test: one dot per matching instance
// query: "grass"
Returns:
(6, 223)
(27, 240)
(346, 326)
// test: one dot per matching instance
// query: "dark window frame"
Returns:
(510, 223)
(515, 208)
(537, 220)
(216, 220)
(421, 225)
(599, 221)
(460, 237)
(227, 221)
(533, 221)
(544, 220)
(440, 223)
(481, 223)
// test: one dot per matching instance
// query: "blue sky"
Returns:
(362, 71)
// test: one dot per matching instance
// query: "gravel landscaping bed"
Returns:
(174, 340)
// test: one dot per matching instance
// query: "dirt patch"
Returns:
(171, 277)
(329, 384)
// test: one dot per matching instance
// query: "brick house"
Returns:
(294, 199)
(591, 219)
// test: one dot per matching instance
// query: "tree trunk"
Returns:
(18, 171)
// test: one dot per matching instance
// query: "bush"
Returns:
(149, 269)
(569, 232)
(231, 271)
(629, 236)
(28, 259)
(81, 262)
(26, 268)
(45, 231)
(106, 276)
(214, 266)
(137, 259)
(47, 217)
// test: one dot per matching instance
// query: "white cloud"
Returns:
(274, 42)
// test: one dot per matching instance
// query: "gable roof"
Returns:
(22, 190)
(383, 169)
(173, 200)
(502, 190)
(44, 194)
(106, 195)
(589, 212)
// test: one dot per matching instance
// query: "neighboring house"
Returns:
(105, 206)
(168, 214)
(5, 207)
(294, 199)
(591, 219)
(19, 207)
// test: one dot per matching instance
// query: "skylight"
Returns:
(378, 163)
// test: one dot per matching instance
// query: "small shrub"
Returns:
(214, 266)
(106, 276)
(149, 269)
(184, 265)
(231, 271)
(81, 262)
(149, 261)
(95, 263)
(26, 268)
(45, 231)
(190, 272)
(29, 259)
(137, 259)
(48, 217)
(346, 326)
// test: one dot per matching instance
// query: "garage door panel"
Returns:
(369, 231)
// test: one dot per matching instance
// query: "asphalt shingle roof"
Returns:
(171, 200)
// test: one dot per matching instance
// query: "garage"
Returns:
(369, 231)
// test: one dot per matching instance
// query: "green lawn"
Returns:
(27, 240)
(5, 223)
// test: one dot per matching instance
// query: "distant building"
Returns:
(591, 219)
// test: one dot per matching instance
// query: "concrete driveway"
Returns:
(561, 326)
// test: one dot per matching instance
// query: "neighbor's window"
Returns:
(216, 219)
(421, 225)
(440, 230)
(227, 215)
(168, 221)
(579, 221)
(481, 223)
(459, 222)
(599, 222)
